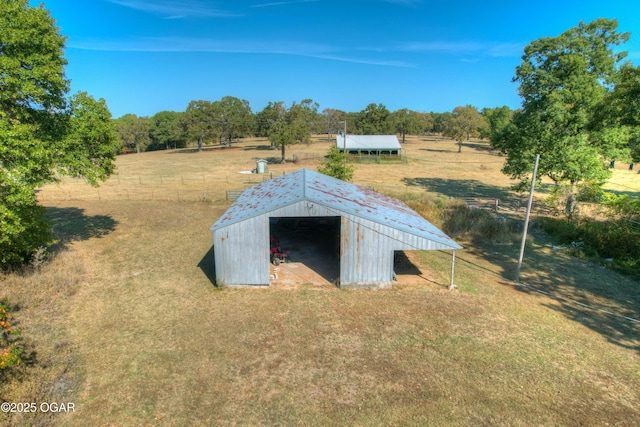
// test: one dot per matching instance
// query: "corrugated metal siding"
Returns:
(373, 226)
(364, 253)
(367, 247)
(303, 209)
(241, 252)
(340, 196)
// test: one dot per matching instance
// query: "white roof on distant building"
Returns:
(369, 142)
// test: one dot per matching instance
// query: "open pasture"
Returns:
(126, 323)
(432, 165)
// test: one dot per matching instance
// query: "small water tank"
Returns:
(261, 166)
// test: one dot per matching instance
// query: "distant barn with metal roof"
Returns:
(371, 227)
(369, 144)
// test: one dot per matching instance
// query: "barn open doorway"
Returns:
(311, 245)
(404, 266)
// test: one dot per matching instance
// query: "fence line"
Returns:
(208, 194)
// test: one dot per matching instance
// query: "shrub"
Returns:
(622, 205)
(617, 239)
(9, 349)
(336, 165)
(477, 224)
(23, 226)
(562, 230)
(590, 192)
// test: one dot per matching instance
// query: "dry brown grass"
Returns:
(149, 341)
(186, 175)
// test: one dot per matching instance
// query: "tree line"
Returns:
(228, 119)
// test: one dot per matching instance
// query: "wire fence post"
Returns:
(453, 269)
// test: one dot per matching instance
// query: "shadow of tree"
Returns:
(209, 147)
(71, 224)
(261, 148)
(596, 297)
(207, 265)
(459, 187)
(433, 150)
(615, 328)
(478, 146)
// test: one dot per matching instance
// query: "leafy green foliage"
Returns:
(623, 205)
(332, 121)
(23, 227)
(200, 121)
(617, 240)
(42, 133)
(225, 119)
(440, 121)
(271, 114)
(563, 81)
(234, 117)
(618, 116)
(336, 165)
(90, 146)
(133, 132)
(464, 123)
(373, 120)
(292, 126)
(497, 121)
(410, 122)
(165, 130)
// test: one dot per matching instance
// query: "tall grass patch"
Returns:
(613, 243)
(48, 370)
(460, 221)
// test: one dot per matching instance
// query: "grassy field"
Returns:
(126, 324)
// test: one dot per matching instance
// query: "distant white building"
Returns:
(369, 144)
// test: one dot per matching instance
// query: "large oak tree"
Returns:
(562, 80)
(42, 132)
(293, 125)
(464, 123)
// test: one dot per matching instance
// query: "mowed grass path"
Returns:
(155, 343)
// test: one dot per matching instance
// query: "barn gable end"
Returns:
(373, 226)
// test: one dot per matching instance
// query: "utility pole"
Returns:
(526, 218)
(344, 137)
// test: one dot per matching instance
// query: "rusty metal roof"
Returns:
(332, 193)
(369, 142)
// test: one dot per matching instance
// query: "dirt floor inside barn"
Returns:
(308, 268)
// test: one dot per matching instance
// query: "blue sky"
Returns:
(146, 56)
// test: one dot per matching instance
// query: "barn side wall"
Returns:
(366, 251)
(241, 253)
(365, 255)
